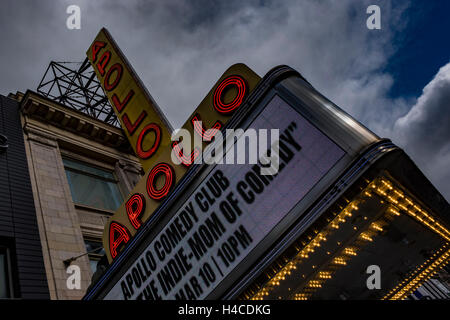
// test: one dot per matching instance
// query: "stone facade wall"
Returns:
(61, 223)
(60, 230)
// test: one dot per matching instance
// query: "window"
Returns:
(95, 252)
(91, 186)
(5, 288)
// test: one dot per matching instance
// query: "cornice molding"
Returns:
(40, 136)
(52, 113)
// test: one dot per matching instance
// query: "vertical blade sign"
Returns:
(143, 122)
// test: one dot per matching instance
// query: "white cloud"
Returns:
(424, 131)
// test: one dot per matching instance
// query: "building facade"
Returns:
(22, 270)
(80, 170)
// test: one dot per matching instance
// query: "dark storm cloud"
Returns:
(180, 48)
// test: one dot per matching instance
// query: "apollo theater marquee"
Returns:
(342, 199)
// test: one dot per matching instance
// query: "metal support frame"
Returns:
(77, 88)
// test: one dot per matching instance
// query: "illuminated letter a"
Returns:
(118, 236)
(96, 48)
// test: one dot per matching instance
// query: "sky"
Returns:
(395, 80)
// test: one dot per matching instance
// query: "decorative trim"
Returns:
(39, 136)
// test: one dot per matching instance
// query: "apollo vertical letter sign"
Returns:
(150, 134)
(142, 121)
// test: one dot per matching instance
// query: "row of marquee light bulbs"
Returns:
(398, 203)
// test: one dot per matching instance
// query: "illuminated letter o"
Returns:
(115, 67)
(231, 81)
(169, 175)
(145, 154)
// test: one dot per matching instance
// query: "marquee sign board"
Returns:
(233, 210)
(150, 134)
(229, 232)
